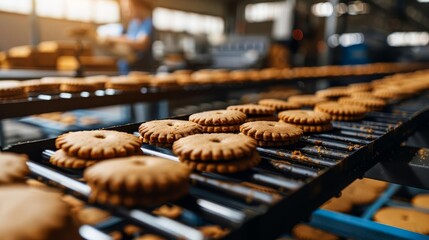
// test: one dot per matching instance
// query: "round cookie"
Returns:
(13, 168)
(307, 100)
(125, 83)
(224, 167)
(77, 85)
(421, 201)
(149, 237)
(359, 87)
(11, 89)
(37, 86)
(61, 159)
(360, 194)
(333, 92)
(334, 108)
(218, 117)
(214, 147)
(305, 232)
(388, 93)
(98, 144)
(137, 175)
(166, 132)
(343, 205)
(36, 213)
(271, 131)
(279, 105)
(362, 95)
(252, 109)
(169, 211)
(214, 231)
(316, 128)
(305, 117)
(378, 186)
(369, 103)
(407, 219)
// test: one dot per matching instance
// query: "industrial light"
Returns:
(323, 9)
(346, 39)
(408, 39)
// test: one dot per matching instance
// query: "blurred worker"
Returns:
(137, 39)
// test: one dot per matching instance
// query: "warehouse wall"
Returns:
(15, 28)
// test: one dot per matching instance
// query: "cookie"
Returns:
(99, 81)
(214, 147)
(254, 118)
(218, 117)
(11, 89)
(73, 202)
(131, 230)
(164, 80)
(307, 100)
(214, 231)
(139, 175)
(276, 144)
(149, 237)
(98, 144)
(305, 232)
(271, 131)
(362, 95)
(169, 211)
(253, 109)
(77, 85)
(92, 216)
(333, 92)
(360, 194)
(343, 205)
(279, 105)
(421, 201)
(36, 213)
(359, 87)
(125, 83)
(407, 219)
(341, 111)
(13, 168)
(221, 129)
(34, 183)
(61, 159)
(315, 128)
(388, 93)
(166, 132)
(371, 104)
(376, 185)
(37, 86)
(305, 117)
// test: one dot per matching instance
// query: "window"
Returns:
(98, 11)
(180, 21)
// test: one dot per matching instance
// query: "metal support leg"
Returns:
(2, 136)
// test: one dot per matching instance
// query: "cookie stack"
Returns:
(12, 90)
(279, 105)
(370, 103)
(341, 111)
(219, 121)
(272, 134)
(137, 181)
(333, 92)
(164, 133)
(82, 149)
(217, 152)
(307, 100)
(255, 112)
(307, 120)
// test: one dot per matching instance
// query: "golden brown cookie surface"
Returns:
(334, 108)
(214, 231)
(279, 105)
(92, 216)
(368, 103)
(341, 204)
(271, 131)
(304, 117)
(170, 211)
(221, 129)
(253, 109)
(333, 92)
(407, 219)
(305, 232)
(218, 117)
(214, 147)
(61, 159)
(99, 144)
(13, 168)
(307, 100)
(167, 131)
(47, 217)
(421, 200)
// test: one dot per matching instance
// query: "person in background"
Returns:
(137, 39)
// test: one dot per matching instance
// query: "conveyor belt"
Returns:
(295, 179)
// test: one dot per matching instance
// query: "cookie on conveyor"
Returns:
(265, 131)
(39, 86)
(360, 194)
(421, 201)
(359, 87)
(92, 215)
(305, 232)
(307, 100)
(253, 109)
(13, 168)
(341, 111)
(125, 83)
(214, 147)
(279, 105)
(389, 93)
(217, 152)
(169, 211)
(77, 85)
(343, 205)
(98, 144)
(36, 213)
(137, 181)
(219, 121)
(307, 120)
(12, 90)
(407, 219)
(62, 159)
(333, 92)
(165, 132)
(214, 231)
(371, 104)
